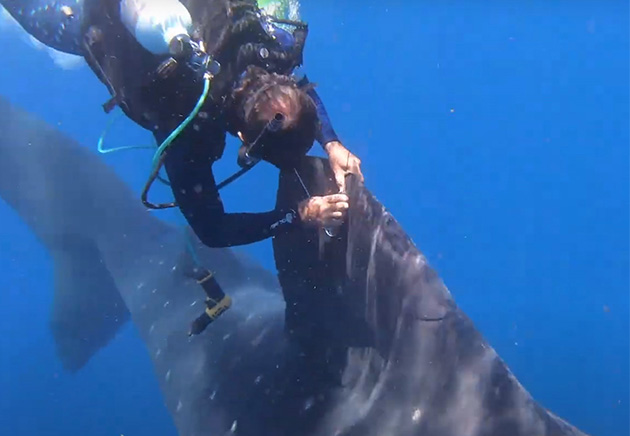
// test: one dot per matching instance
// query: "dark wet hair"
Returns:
(257, 100)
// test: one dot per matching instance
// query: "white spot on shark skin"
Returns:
(167, 303)
(174, 268)
(151, 328)
(179, 406)
(193, 303)
(417, 415)
(140, 285)
(309, 403)
(233, 429)
(468, 388)
(258, 379)
(161, 262)
(226, 337)
(213, 394)
(154, 291)
(167, 377)
(258, 339)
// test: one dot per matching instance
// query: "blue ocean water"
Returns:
(497, 133)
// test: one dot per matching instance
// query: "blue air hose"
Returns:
(175, 133)
(101, 140)
(158, 157)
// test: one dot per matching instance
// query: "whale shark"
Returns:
(355, 334)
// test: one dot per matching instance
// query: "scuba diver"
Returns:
(191, 71)
(156, 70)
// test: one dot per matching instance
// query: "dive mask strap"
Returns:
(251, 154)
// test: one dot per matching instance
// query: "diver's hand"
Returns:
(342, 162)
(324, 212)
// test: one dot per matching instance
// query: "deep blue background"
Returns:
(496, 132)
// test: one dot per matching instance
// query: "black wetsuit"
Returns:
(310, 276)
(189, 169)
(123, 65)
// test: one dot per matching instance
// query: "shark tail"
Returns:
(87, 310)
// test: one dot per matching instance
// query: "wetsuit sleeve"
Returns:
(326, 133)
(197, 196)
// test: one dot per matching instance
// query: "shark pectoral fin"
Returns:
(87, 309)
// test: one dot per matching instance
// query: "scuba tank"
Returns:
(156, 23)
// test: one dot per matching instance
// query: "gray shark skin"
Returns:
(114, 260)
(429, 366)
(415, 365)
(53, 23)
(410, 362)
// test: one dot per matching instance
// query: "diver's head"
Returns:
(261, 98)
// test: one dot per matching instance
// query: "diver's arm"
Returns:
(342, 161)
(326, 133)
(197, 196)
